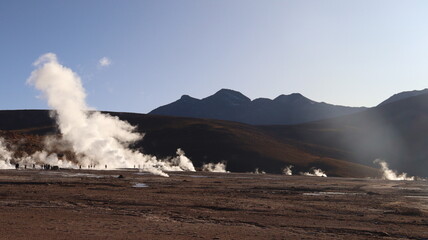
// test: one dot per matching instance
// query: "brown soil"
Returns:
(72, 204)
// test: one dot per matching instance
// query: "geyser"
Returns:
(97, 139)
(389, 174)
(214, 167)
(287, 170)
(5, 156)
(316, 172)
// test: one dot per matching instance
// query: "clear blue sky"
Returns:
(354, 53)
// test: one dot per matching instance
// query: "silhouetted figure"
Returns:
(34, 166)
(25, 166)
(17, 165)
(106, 166)
(80, 166)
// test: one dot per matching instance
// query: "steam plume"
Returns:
(98, 139)
(211, 167)
(180, 163)
(287, 170)
(389, 174)
(5, 156)
(316, 172)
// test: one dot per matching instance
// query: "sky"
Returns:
(136, 55)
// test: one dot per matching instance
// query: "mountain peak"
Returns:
(187, 98)
(229, 95)
(293, 98)
(225, 91)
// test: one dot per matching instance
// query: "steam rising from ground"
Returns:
(211, 167)
(389, 174)
(97, 139)
(316, 172)
(180, 163)
(258, 171)
(5, 156)
(287, 170)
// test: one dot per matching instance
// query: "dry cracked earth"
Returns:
(83, 204)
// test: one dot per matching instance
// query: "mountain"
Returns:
(403, 95)
(234, 106)
(345, 146)
(244, 147)
(396, 132)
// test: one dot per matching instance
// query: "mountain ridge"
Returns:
(404, 95)
(231, 105)
(244, 147)
(396, 132)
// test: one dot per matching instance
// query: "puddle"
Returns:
(140, 185)
(410, 188)
(143, 173)
(83, 175)
(230, 177)
(238, 177)
(421, 197)
(330, 193)
(64, 174)
(198, 176)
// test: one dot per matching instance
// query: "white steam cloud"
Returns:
(258, 171)
(180, 163)
(104, 62)
(389, 174)
(97, 139)
(212, 167)
(287, 170)
(5, 156)
(316, 172)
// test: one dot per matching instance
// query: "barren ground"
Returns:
(78, 204)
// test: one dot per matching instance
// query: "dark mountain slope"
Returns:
(234, 106)
(396, 132)
(244, 147)
(25, 119)
(404, 95)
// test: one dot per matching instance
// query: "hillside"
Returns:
(396, 132)
(403, 95)
(344, 146)
(234, 106)
(243, 147)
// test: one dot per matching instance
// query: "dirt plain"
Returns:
(84, 204)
